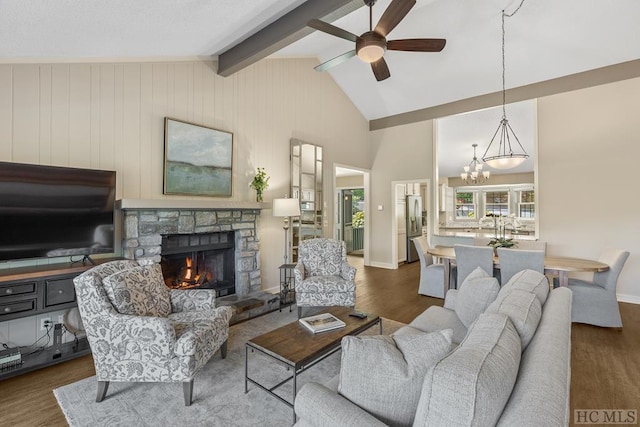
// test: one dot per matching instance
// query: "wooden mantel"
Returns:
(125, 204)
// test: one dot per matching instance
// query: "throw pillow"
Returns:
(530, 281)
(524, 310)
(384, 374)
(477, 291)
(139, 291)
(471, 386)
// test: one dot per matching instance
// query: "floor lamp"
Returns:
(286, 208)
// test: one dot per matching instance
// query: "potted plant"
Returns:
(260, 183)
(501, 242)
(500, 224)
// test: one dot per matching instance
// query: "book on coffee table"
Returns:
(322, 322)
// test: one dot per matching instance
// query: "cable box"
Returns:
(10, 358)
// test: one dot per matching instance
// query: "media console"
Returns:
(34, 290)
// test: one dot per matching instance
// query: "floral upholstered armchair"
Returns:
(141, 331)
(323, 276)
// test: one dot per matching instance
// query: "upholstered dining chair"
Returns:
(595, 301)
(323, 276)
(140, 331)
(515, 260)
(468, 258)
(431, 275)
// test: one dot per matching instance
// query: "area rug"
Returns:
(219, 397)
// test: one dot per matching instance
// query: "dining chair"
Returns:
(514, 260)
(595, 301)
(431, 275)
(468, 258)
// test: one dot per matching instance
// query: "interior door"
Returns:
(347, 219)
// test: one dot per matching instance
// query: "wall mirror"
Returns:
(468, 207)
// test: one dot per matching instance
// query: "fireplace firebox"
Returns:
(204, 260)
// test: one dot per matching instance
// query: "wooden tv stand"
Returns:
(35, 290)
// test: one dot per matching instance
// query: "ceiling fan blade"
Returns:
(335, 61)
(380, 69)
(417, 45)
(332, 29)
(391, 17)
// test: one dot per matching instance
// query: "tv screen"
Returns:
(48, 211)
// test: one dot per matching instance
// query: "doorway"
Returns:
(352, 220)
(351, 205)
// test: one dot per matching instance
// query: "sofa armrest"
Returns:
(192, 300)
(298, 272)
(347, 272)
(316, 405)
(450, 299)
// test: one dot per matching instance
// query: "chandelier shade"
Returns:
(505, 158)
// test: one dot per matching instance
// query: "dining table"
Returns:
(553, 265)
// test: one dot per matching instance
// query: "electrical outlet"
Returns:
(45, 321)
(61, 319)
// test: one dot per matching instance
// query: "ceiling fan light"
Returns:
(370, 46)
(370, 53)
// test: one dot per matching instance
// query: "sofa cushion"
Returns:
(436, 318)
(384, 374)
(477, 291)
(524, 310)
(471, 386)
(530, 281)
(139, 291)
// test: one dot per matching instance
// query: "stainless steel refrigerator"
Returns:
(413, 216)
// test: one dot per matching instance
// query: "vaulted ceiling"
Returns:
(546, 39)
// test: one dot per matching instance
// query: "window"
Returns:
(527, 205)
(465, 205)
(496, 203)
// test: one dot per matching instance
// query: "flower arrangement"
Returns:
(260, 183)
(500, 224)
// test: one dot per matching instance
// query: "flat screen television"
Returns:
(49, 211)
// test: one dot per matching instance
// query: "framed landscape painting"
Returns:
(197, 159)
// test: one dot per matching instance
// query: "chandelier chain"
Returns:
(504, 90)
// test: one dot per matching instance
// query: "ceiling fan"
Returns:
(371, 45)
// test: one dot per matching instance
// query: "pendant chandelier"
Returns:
(505, 158)
(473, 173)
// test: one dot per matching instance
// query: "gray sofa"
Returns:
(512, 366)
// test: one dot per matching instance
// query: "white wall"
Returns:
(588, 148)
(110, 116)
(401, 153)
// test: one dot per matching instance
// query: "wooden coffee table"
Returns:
(299, 349)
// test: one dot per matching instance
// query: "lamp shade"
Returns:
(286, 207)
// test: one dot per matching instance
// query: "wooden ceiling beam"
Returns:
(282, 32)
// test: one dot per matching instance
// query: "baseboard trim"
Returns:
(273, 290)
(383, 265)
(632, 299)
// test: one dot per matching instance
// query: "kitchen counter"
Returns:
(470, 232)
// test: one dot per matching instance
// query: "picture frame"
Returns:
(198, 160)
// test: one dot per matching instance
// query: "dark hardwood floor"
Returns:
(605, 363)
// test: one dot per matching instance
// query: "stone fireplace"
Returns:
(169, 231)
